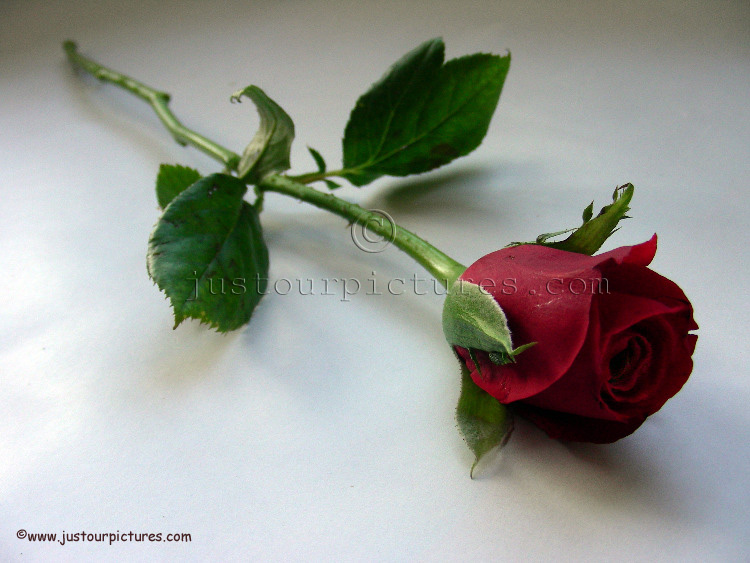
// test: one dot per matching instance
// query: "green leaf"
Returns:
(422, 113)
(590, 236)
(318, 158)
(321, 164)
(482, 420)
(207, 254)
(172, 180)
(268, 151)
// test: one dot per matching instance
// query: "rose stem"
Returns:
(441, 266)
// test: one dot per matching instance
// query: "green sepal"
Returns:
(422, 113)
(269, 150)
(172, 180)
(541, 239)
(472, 319)
(473, 357)
(588, 213)
(501, 358)
(483, 421)
(591, 235)
(207, 254)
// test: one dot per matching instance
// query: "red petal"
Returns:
(638, 255)
(531, 285)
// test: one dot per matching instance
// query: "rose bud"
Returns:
(613, 340)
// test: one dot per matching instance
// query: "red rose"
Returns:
(613, 340)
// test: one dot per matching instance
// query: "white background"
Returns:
(324, 430)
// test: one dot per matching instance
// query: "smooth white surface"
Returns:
(324, 430)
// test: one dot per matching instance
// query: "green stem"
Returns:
(440, 265)
(158, 101)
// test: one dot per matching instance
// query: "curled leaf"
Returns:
(268, 151)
